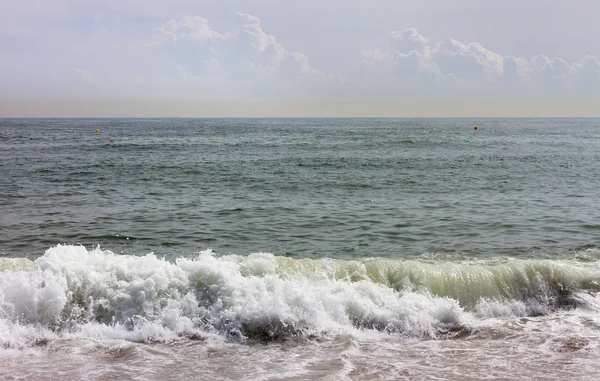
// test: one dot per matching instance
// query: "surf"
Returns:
(72, 292)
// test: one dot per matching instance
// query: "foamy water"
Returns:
(268, 317)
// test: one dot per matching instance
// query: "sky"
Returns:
(150, 58)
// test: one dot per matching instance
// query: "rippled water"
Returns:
(270, 249)
(342, 188)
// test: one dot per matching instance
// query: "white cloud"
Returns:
(189, 28)
(374, 56)
(516, 69)
(412, 57)
(85, 75)
(247, 54)
(588, 70)
(251, 33)
(408, 40)
(215, 52)
(469, 61)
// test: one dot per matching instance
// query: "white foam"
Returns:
(71, 292)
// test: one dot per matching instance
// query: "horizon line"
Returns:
(295, 117)
(277, 109)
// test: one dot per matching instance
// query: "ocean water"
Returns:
(299, 249)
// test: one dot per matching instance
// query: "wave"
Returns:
(72, 292)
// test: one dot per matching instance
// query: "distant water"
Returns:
(269, 249)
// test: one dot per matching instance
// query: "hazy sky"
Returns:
(276, 57)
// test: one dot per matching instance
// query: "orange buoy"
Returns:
(476, 128)
(97, 130)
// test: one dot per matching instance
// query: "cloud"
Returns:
(188, 50)
(251, 33)
(469, 61)
(374, 56)
(246, 55)
(408, 40)
(85, 75)
(588, 70)
(189, 28)
(411, 57)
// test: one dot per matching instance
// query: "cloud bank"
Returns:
(249, 61)
(112, 52)
(450, 64)
(253, 62)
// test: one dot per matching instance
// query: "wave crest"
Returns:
(73, 292)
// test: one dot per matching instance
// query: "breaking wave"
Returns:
(71, 292)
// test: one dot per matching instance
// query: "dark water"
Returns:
(341, 188)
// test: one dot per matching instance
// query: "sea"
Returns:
(300, 249)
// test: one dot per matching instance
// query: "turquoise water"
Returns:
(263, 249)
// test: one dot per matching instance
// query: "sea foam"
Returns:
(71, 292)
